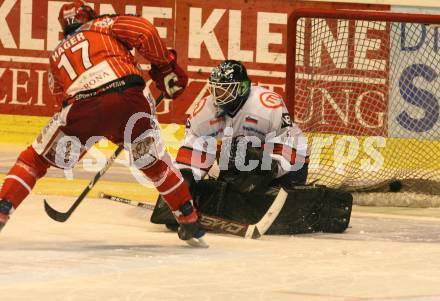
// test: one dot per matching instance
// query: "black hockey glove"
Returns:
(245, 181)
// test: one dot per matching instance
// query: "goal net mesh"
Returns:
(366, 89)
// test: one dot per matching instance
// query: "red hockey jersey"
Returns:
(98, 53)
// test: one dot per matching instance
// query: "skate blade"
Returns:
(197, 243)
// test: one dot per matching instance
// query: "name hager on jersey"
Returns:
(99, 53)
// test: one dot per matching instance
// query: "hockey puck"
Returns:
(395, 186)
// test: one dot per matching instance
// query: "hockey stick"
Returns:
(221, 225)
(63, 216)
(194, 242)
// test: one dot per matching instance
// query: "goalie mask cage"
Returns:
(364, 88)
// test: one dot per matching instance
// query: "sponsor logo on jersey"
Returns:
(286, 121)
(94, 78)
(254, 130)
(250, 119)
(271, 100)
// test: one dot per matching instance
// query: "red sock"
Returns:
(22, 177)
(169, 182)
(17, 185)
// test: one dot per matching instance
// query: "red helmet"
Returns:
(72, 15)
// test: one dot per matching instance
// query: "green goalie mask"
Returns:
(229, 85)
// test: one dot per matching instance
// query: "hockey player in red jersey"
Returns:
(248, 130)
(96, 81)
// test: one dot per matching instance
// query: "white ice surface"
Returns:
(109, 251)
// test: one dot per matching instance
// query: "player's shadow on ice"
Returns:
(91, 246)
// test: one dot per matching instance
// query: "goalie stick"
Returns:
(63, 216)
(221, 225)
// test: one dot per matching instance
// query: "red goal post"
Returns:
(364, 86)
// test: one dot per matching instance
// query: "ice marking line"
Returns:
(318, 295)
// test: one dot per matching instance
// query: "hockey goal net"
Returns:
(364, 87)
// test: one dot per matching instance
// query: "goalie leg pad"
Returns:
(208, 196)
(337, 211)
(314, 209)
(162, 214)
(307, 209)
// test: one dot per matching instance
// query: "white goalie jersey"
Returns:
(263, 121)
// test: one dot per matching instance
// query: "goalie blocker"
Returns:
(307, 209)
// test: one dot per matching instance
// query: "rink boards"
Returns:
(331, 154)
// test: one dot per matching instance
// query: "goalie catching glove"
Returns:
(242, 180)
(170, 78)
